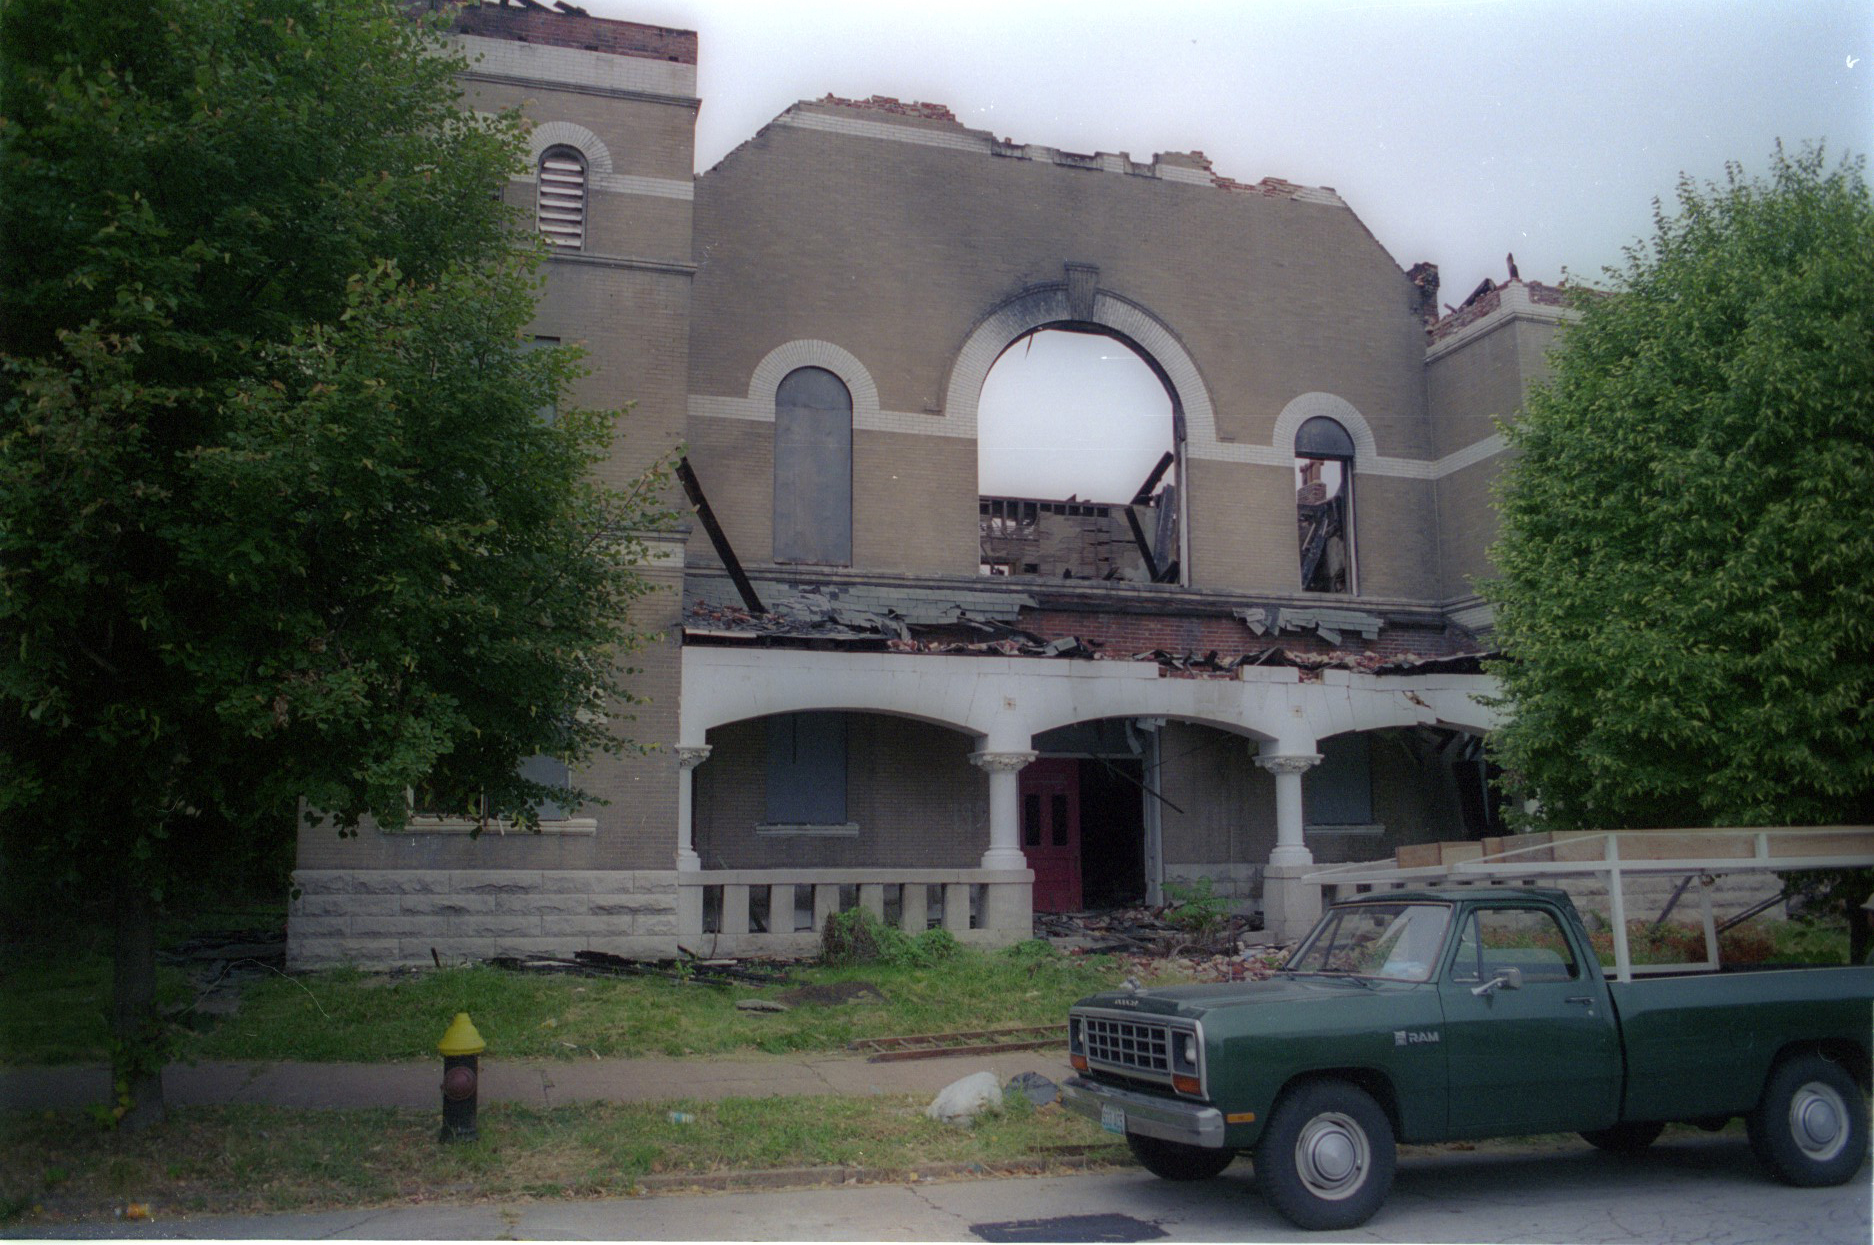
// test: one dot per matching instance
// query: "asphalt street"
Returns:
(1696, 1189)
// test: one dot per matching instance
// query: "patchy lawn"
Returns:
(248, 1159)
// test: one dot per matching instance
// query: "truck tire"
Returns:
(1811, 1126)
(1173, 1160)
(1326, 1157)
(1627, 1138)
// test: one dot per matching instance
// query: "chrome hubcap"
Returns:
(1332, 1156)
(1818, 1121)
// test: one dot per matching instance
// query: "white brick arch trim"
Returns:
(1341, 411)
(568, 134)
(775, 366)
(1050, 305)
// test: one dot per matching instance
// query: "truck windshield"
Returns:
(1389, 942)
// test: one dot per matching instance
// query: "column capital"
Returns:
(1289, 763)
(1002, 762)
(689, 756)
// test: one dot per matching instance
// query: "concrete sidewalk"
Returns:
(534, 1082)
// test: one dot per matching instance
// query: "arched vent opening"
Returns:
(561, 211)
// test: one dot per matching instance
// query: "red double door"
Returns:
(1050, 805)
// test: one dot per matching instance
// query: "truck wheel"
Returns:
(1810, 1128)
(1326, 1158)
(1173, 1160)
(1626, 1138)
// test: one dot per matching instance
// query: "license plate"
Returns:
(1112, 1118)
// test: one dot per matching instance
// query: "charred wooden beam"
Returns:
(693, 489)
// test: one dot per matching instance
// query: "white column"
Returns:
(689, 756)
(1290, 847)
(1005, 820)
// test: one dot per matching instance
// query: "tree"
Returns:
(281, 517)
(1686, 591)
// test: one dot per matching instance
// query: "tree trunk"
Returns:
(137, 1049)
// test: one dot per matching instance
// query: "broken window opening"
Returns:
(1076, 461)
(560, 203)
(813, 469)
(1324, 505)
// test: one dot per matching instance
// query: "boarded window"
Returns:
(807, 769)
(1324, 505)
(561, 204)
(813, 469)
(1339, 791)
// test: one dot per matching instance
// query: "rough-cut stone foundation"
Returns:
(385, 917)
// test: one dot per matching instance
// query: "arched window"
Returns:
(1324, 505)
(561, 203)
(813, 468)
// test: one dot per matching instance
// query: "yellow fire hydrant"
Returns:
(461, 1049)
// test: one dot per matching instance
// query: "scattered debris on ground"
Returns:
(604, 964)
(967, 1042)
(1150, 943)
(1036, 1088)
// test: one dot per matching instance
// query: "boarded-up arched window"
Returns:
(561, 210)
(1324, 505)
(813, 469)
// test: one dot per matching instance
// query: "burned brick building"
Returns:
(878, 684)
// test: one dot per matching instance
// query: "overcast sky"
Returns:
(1458, 130)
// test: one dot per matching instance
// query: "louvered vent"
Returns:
(563, 197)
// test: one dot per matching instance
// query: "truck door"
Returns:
(1542, 1056)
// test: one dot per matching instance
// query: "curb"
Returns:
(776, 1178)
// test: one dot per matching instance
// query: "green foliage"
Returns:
(855, 936)
(1686, 600)
(1195, 907)
(279, 515)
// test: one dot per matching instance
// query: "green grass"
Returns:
(268, 1159)
(55, 1009)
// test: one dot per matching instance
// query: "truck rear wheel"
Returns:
(1624, 1138)
(1810, 1128)
(1326, 1158)
(1173, 1160)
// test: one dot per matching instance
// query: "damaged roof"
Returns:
(959, 621)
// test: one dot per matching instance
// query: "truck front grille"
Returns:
(1137, 1047)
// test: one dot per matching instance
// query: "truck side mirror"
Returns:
(1506, 978)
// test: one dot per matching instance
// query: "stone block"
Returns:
(584, 926)
(541, 905)
(528, 946)
(400, 882)
(372, 926)
(447, 905)
(317, 927)
(659, 924)
(495, 882)
(323, 881)
(575, 881)
(632, 905)
(486, 925)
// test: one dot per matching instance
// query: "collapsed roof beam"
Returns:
(693, 488)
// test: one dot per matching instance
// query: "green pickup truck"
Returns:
(1438, 1015)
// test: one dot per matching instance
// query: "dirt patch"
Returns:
(834, 994)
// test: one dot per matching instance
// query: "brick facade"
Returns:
(889, 243)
